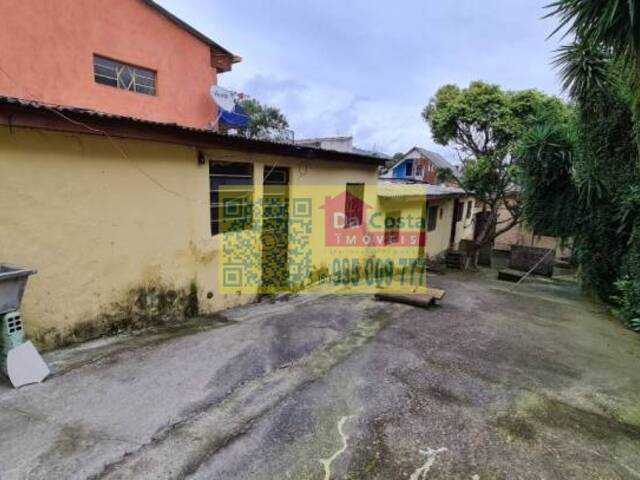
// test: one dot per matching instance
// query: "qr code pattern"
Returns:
(300, 250)
(266, 243)
(241, 258)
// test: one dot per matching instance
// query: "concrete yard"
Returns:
(536, 384)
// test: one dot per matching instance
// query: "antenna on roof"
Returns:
(231, 115)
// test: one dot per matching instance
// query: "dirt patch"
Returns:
(538, 414)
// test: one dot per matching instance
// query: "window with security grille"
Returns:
(231, 197)
(124, 76)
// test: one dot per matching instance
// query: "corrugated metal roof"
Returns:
(388, 189)
(80, 116)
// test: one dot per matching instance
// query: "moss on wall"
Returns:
(141, 307)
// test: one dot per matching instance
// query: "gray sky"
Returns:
(367, 68)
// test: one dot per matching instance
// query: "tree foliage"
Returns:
(485, 124)
(613, 27)
(592, 166)
(266, 123)
(545, 173)
(614, 24)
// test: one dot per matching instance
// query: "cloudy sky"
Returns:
(367, 68)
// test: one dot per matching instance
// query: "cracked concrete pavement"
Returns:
(537, 383)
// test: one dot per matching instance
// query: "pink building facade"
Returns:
(127, 57)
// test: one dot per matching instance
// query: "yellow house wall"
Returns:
(406, 207)
(315, 182)
(438, 240)
(98, 225)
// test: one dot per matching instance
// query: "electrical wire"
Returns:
(55, 109)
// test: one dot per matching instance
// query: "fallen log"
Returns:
(416, 300)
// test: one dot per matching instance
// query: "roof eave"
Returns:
(216, 48)
(16, 112)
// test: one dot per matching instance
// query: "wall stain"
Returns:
(153, 304)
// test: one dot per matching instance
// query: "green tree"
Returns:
(485, 124)
(613, 26)
(265, 123)
(591, 165)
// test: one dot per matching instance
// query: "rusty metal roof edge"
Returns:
(238, 141)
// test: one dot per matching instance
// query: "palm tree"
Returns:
(585, 69)
(605, 31)
(613, 24)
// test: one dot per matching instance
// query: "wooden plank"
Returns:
(422, 301)
(436, 293)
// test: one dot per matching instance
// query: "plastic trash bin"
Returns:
(13, 281)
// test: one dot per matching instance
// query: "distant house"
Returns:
(449, 213)
(419, 165)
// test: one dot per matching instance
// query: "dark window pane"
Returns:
(238, 169)
(432, 219)
(123, 76)
(105, 62)
(112, 82)
(145, 90)
(144, 82)
(143, 72)
(408, 172)
(105, 71)
(228, 180)
(231, 197)
(276, 176)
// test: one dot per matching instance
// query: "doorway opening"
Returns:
(275, 230)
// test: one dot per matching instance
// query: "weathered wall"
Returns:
(47, 49)
(115, 237)
(524, 236)
(465, 228)
(438, 241)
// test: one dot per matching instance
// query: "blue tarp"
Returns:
(236, 119)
